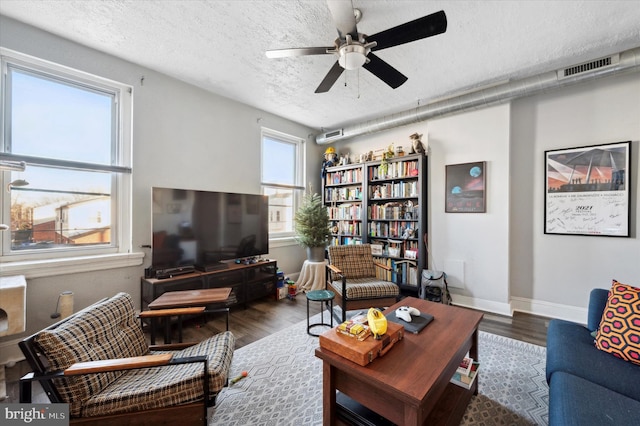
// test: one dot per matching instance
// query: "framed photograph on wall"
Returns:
(587, 190)
(465, 188)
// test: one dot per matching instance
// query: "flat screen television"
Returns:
(203, 228)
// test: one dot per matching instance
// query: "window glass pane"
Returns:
(53, 119)
(280, 209)
(58, 208)
(278, 162)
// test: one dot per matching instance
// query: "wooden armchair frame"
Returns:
(191, 413)
(165, 316)
(347, 304)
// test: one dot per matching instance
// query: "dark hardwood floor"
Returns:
(264, 317)
(525, 327)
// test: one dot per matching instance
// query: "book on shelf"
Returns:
(406, 272)
(465, 366)
(466, 380)
(402, 271)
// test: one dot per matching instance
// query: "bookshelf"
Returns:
(343, 191)
(384, 205)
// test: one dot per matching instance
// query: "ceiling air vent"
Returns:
(333, 134)
(589, 66)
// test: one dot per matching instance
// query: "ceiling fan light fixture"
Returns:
(354, 49)
(352, 56)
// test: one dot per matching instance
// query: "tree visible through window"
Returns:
(71, 131)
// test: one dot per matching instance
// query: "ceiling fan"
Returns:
(354, 50)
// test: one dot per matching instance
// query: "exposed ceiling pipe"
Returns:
(627, 61)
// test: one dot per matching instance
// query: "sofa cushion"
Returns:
(619, 330)
(570, 348)
(219, 351)
(576, 401)
(109, 330)
(147, 389)
(366, 288)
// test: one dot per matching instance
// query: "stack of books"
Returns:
(356, 327)
(466, 373)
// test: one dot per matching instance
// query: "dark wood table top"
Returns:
(420, 365)
(186, 298)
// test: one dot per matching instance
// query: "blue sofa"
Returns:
(588, 386)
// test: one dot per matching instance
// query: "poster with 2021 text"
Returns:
(587, 190)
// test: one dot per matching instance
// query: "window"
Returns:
(282, 179)
(72, 132)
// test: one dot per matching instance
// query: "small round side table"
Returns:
(322, 296)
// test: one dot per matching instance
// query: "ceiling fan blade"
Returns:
(330, 78)
(302, 51)
(344, 18)
(384, 71)
(424, 27)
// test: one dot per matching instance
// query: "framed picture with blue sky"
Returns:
(465, 188)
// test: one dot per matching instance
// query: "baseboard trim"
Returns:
(482, 304)
(550, 310)
(521, 304)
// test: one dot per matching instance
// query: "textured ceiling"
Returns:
(219, 46)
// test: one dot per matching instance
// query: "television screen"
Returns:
(203, 228)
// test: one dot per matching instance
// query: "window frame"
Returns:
(299, 176)
(60, 260)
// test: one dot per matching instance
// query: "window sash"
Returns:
(78, 212)
(64, 164)
(118, 165)
(77, 88)
(296, 186)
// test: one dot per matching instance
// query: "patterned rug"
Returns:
(284, 383)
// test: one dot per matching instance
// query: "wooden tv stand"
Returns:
(247, 282)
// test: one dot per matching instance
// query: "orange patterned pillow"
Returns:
(619, 331)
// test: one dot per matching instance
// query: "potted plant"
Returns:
(311, 223)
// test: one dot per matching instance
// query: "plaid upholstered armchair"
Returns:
(351, 275)
(98, 362)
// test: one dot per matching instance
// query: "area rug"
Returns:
(284, 383)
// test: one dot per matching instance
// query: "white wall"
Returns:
(552, 270)
(474, 246)
(479, 240)
(183, 137)
(508, 261)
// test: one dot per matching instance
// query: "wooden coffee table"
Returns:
(187, 299)
(190, 298)
(410, 384)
